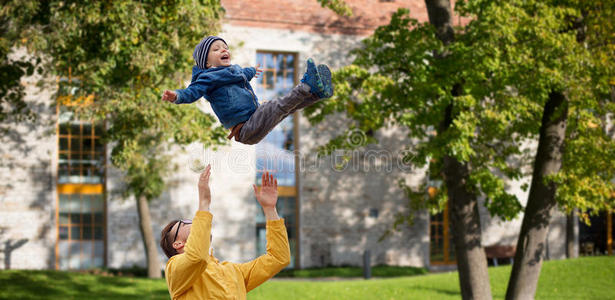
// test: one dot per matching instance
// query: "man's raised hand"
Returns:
(204, 192)
(267, 196)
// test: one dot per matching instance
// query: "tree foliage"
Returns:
(115, 58)
(338, 6)
(124, 53)
(509, 57)
(13, 108)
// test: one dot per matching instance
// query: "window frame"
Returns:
(82, 188)
(287, 191)
(448, 257)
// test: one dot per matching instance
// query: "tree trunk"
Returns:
(441, 17)
(541, 200)
(466, 229)
(572, 235)
(463, 212)
(149, 242)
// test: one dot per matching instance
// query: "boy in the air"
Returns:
(227, 87)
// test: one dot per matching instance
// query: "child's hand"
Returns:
(169, 96)
(258, 70)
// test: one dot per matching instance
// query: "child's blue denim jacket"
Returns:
(226, 88)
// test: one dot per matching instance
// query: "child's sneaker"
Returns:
(312, 78)
(325, 77)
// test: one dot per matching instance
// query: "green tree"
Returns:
(475, 97)
(13, 108)
(416, 87)
(572, 57)
(338, 6)
(124, 53)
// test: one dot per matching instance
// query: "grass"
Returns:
(582, 278)
(21, 284)
(346, 272)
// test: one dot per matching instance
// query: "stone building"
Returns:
(59, 201)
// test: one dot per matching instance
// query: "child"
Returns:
(227, 88)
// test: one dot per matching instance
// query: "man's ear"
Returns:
(178, 245)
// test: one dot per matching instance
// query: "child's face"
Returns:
(218, 55)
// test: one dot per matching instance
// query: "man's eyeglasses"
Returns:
(180, 222)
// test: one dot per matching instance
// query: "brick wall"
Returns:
(308, 15)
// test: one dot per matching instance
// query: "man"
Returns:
(192, 273)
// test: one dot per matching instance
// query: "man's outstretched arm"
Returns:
(183, 269)
(278, 250)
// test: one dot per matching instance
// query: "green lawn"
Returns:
(69, 285)
(583, 278)
(377, 271)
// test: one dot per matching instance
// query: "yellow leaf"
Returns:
(432, 191)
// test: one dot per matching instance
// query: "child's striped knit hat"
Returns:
(201, 50)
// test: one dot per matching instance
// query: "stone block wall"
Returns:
(28, 160)
(344, 212)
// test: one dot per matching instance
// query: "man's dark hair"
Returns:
(165, 240)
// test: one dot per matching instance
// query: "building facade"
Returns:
(60, 201)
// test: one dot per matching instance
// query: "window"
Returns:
(278, 76)
(610, 228)
(275, 153)
(80, 230)
(441, 248)
(80, 210)
(81, 157)
(596, 238)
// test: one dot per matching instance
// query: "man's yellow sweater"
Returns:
(195, 274)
